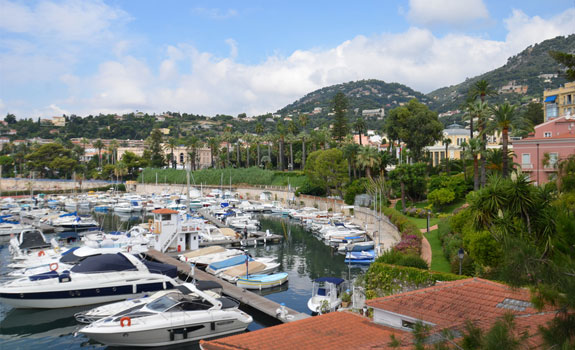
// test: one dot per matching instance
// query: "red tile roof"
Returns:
(450, 303)
(336, 330)
(164, 211)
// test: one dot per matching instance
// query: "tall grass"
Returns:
(249, 176)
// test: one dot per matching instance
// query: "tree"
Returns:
(340, 127)
(350, 151)
(171, 145)
(360, 126)
(281, 132)
(51, 159)
(411, 180)
(566, 59)
(415, 124)
(99, 146)
(368, 159)
(473, 149)
(446, 142)
(259, 131)
(10, 119)
(154, 149)
(213, 144)
(227, 137)
(481, 89)
(192, 145)
(533, 115)
(504, 119)
(326, 168)
(303, 136)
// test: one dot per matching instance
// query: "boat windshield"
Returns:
(162, 304)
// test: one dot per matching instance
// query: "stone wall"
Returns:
(38, 185)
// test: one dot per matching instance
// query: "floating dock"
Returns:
(246, 297)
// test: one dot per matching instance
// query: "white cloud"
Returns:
(215, 13)
(73, 20)
(455, 12)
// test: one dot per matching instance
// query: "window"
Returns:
(552, 110)
(553, 157)
(525, 159)
(547, 134)
(407, 324)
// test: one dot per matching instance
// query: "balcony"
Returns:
(526, 166)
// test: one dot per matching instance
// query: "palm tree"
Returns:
(480, 110)
(446, 141)
(303, 119)
(213, 143)
(114, 149)
(504, 119)
(359, 127)
(192, 145)
(481, 89)
(170, 146)
(238, 137)
(368, 159)
(259, 131)
(248, 139)
(350, 150)
(99, 146)
(281, 131)
(473, 149)
(290, 139)
(227, 137)
(84, 142)
(302, 136)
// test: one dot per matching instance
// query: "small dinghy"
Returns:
(260, 282)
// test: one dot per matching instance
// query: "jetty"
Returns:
(246, 297)
(256, 238)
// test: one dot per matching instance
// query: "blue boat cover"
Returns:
(103, 263)
(233, 261)
(44, 276)
(551, 98)
(69, 214)
(334, 280)
(69, 251)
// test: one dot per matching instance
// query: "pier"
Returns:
(255, 238)
(246, 297)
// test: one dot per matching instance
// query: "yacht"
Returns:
(173, 318)
(96, 279)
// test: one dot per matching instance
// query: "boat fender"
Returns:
(53, 266)
(127, 320)
(41, 253)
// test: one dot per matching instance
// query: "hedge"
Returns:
(384, 279)
(410, 235)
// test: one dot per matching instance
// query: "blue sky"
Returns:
(208, 57)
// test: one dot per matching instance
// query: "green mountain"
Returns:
(363, 94)
(532, 69)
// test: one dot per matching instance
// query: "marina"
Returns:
(302, 257)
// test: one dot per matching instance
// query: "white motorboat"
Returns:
(260, 266)
(326, 294)
(29, 243)
(12, 228)
(170, 319)
(96, 279)
(131, 206)
(73, 221)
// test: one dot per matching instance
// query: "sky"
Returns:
(229, 57)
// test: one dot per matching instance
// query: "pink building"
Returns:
(538, 155)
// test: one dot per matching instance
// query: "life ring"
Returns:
(127, 320)
(53, 266)
(41, 253)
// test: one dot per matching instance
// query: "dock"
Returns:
(256, 238)
(246, 297)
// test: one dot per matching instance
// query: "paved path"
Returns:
(431, 228)
(426, 251)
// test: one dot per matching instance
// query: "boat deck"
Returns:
(246, 297)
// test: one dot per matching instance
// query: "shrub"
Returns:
(308, 188)
(395, 257)
(440, 197)
(356, 187)
(410, 235)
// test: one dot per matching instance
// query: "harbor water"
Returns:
(303, 256)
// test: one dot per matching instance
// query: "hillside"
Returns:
(526, 69)
(363, 94)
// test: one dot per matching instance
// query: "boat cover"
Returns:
(240, 270)
(207, 285)
(103, 263)
(205, 251)
(164, 269)
(33, 239)
(334, 280)
(238, 259)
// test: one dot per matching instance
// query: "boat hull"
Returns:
(180, 330)
(259, 283)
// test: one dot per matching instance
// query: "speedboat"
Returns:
(96, 279)
(260, 282)
(173, 318)
(30, 243)
(364, 257)
(326, 294)
(88, 316)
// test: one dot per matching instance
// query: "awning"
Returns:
(551, 98)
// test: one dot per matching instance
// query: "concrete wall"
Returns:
(38, 185)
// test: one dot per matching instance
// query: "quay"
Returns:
(246, 297)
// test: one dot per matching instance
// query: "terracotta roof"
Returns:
(450, 303)
(164, 211)
(336, 330)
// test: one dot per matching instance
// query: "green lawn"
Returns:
(438, 261)
(448, 208)
(422, 222)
